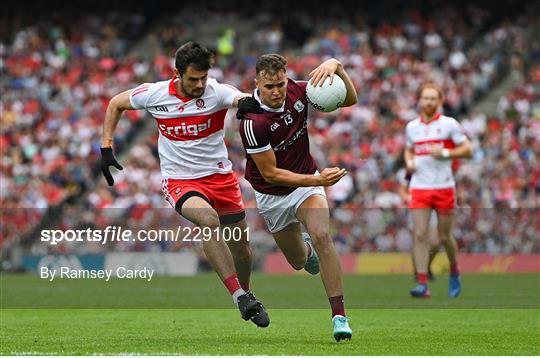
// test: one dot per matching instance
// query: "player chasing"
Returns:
(198, 181)
(433, 140)
(288, 188)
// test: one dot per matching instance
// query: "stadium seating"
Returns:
(59, 81)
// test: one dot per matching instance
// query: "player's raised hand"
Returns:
(326, 69)
(108, 159)
(330, 176)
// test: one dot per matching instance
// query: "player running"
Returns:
(288, 188)
(433, 140)
(198, 181)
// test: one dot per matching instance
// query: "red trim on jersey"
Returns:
(139, 90)
(424, 147)
(173, 92)
(423, 120)
(191, 127)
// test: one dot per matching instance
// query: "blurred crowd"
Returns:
(60, 75)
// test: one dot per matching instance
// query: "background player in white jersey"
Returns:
(197, 175)
(288, 189)
(403, 177)
(433, 140)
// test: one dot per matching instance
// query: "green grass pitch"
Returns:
(496, 315)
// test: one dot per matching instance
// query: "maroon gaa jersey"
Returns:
(285, 131)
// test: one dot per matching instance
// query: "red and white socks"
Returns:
(234, 288)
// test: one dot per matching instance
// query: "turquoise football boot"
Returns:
(341, 328)
(312, 263)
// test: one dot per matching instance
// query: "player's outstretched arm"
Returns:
(266, 163)
(327, 69)
(117, 105)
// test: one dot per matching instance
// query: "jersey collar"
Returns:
(265, 107)
(173, 92)
(423, 120)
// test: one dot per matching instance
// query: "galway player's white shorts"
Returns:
(279, 211)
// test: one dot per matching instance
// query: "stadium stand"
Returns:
(60, 73)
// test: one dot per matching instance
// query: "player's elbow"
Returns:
(120, 102)
(468, 150)
(350, 102)
(270, 176)
(114, 103)
(351, 99)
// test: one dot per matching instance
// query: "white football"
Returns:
(327, 98)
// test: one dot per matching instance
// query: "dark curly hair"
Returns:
(195, 55)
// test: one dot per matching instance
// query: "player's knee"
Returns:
(211, 221)
(444, 237)
(321, 240)
(421, 235)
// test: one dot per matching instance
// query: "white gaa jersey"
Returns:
(191, 137)
(441, 132)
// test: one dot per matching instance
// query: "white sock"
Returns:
(309, 249)
(237, 294)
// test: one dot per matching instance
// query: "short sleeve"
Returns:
(255, 136)
(139, 96)
(457, 133)
(409, 143)
(226, 94)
